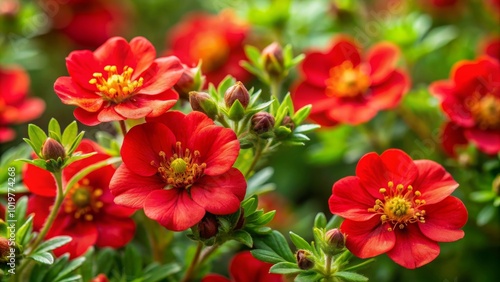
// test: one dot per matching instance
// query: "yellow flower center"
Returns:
(182, 169)
(345, 81)
(116, 87)
(83, 201)
(486, 111)
(400, 206)
(211, 48)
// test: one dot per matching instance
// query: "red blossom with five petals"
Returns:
(178, 167)
(118, 81)
(471, 100)
(216, 40)
(344, 87)
(15, 107)
(88, 214)
(245, 268)
(398, 206)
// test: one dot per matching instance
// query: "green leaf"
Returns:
(237, 111)
(250, 205)
(243, 237)
(334, 222)
(253, 54)
(299, 242)
(105, 260)
(21, 206)
(301, 114)
(71, 278)
(482, 196)
(306, 128)
(276, 242)
(23, 233)
(72, 265)
(37, 136)
(54, 129)
(350, 276)
(53, 243)
(75, 143)
(267, 256)
(308, 276)
(320, 220)
(132, 262)
(69, 135)
(33, 146)
(485, 215)
(227, 82)
(45, 258)
(265, 218)
(289, 103)
(160, 272)
(285, 268)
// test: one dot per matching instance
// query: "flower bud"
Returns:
(237, 92)
(52, 150)
(191, 80)
(100, 278)
(202, 102)
(208, 226)
(272, 56)
(304, 259)
(4, 249)
(262, 122)
(288, 122)
(333, 242)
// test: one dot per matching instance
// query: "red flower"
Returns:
(491, 47)
(177, 167)
(119, 81)
(72, 18)
(88, 213)
(217, 40)
(342, 87)
(245, 268)
(15, 107)
(398, 206)
(471, 100)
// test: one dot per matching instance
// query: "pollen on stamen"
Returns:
(89, 217)
(390, 184)
(382, 190)
(400, 187)
(418, 194)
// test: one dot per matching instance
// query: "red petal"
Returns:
(130, 110)
(6, 135)
(215, 278)
(443, 220)
(15, 84)
(442, 89)
(487, 141)
(316, 68)
(144, 52)
(388, 94)
(142, 145)
(480, 75)
(83, 234)
(114, 232)
(412, 248)
(130, 189)
(220, 194)
(39, 206)
(367, 239)
(350, 200)
(81, 65)
(173, 209)
(452, 136)
(87, 118)
(344, 49)
(245, 268)
(457, 111)
(306, 94)
(30, 109)
(372, 174)
(218, 148)
(162, 75)
(72, 94)
(39, 181)
(108, 113)
(146, 105)
(352, 112)
(115, 52)
(401, 167)
(433, 181)
(382, 58)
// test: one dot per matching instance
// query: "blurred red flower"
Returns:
(398, 206)
(491, 47)
(177, 167)
(216, 40)
(15, 107)
(344, 88)
(119, 81)
(72, 18)
(471, 100)
(245, 268)
(88, 213)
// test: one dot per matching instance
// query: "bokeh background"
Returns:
(432, 34)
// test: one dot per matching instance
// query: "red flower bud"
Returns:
(202, 102)
(190, 80)
(288, 122)
(335, 239)
(208, 226)
(52, 150)
(262, 122)
(4, 248)
(304, 260)
(273, 59)
(100, 278)
(237, 92)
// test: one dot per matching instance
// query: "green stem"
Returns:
(328, 265)
(276, 88)
(220, 118)
(194, 263)
(256, 157)
(206, 253)
(123, 127)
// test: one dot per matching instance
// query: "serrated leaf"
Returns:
(350, 276)
(267, 256)
(37, 136)
(45, 258)
(299, 242)
(285, 268)
(55, 129)
(243, 237)
(53, 243)
(69, 135)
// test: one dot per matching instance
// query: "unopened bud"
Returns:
(191, 80)
(237, 92)
(273, 59)
(333, 242)
(208, 226)
(304, 259)
(288, 122)
(100, 278)
(52, 150)
(202, 102)
(262, 122)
